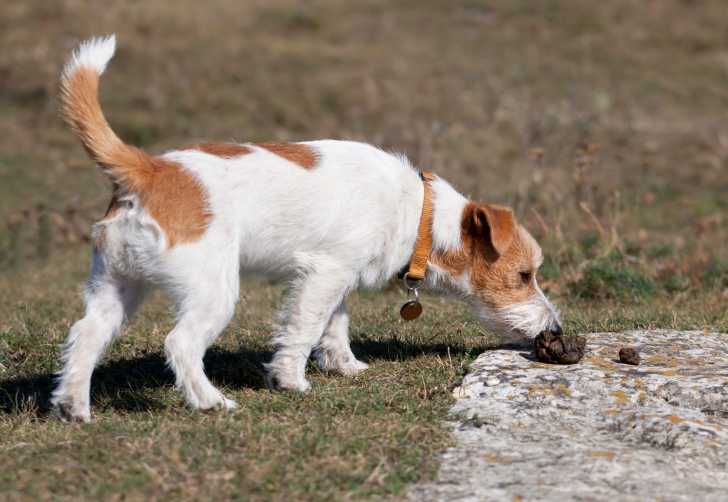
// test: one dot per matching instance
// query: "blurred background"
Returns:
(605, 126)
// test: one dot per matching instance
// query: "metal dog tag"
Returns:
(411, 310)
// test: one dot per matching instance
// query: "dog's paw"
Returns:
(276, 381)
(228, 404)
(343, 364)
(68, 413)
(352, 367)
(213, 402)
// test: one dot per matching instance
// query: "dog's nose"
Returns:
(556, 329)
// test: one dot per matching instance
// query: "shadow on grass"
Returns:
(400, 350)
(121, 383)
(403, 349)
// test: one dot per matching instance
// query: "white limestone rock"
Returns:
(597, 430)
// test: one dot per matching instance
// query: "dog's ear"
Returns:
(492, 223)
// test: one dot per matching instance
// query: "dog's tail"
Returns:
(80, 107)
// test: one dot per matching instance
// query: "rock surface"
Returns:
(597, 430)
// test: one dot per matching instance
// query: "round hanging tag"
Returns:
(411, 310)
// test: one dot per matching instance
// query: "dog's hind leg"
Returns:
(315, 297)
(110, 301)
(204, 310)
(333, 352)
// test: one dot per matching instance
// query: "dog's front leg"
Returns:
(333, 353)
(314, 298)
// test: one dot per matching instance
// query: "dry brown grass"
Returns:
(553, 107)
(603, 125)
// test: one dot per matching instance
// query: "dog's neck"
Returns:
(447, 216)
(448, 205)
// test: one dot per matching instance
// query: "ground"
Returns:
(600, 430)
(603, 126)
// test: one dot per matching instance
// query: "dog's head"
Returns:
(495, 268)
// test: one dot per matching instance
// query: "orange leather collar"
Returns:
(423, 244)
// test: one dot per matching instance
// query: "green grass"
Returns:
(609, 277)
(600, 125)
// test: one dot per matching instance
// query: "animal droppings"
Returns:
(629, 355)
(559, 349)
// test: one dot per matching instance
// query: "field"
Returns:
(604, 126)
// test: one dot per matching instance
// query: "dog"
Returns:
(328, 215)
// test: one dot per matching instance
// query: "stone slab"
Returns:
(597, 430)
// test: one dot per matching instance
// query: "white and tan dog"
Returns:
(329, 215)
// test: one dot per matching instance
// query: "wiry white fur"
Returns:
(448, 205)
(447, 217)
(332, 351)
(350, 221)
(110, 301)
(530, 317)
(94, 53)
(527, 318)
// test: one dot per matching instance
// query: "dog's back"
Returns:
(351, 203)
(281, 205)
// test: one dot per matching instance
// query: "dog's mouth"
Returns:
(507, 327)
(494, 323)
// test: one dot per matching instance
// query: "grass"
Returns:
(610, 277)
(603, 127)
(360, 437)
(364, 436)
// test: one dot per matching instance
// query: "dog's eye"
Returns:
(526, 277)
(126, 203)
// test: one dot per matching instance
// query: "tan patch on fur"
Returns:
(455, 263)
(298, 153)
(171, 195)
(499, 283)
(494, 275)
(501, 224)
(176, 200)
(224, 150)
